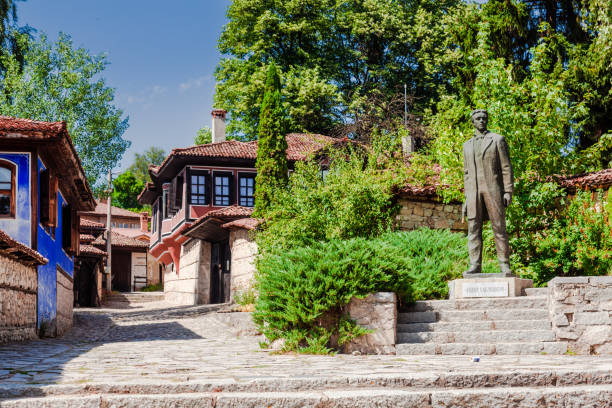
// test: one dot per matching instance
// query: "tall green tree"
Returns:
(271, 161)
(332, 55)
(204, 136)
(126, 188)
(140, 166)
(58, 82)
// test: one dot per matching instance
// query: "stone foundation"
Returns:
(581, 312)
(18, 286)
(415, 213)
(378, 312)
(244, 251)
(191, 286)
(488, 287)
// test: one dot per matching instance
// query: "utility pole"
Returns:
(108, 232)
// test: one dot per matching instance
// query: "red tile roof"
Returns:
(32, 128)
(121, 241)
(231, 211)
(132, 232)
(91, 224)
(86, 238)
(594, 180)
(19, 252)
(243, 223)
(102, 209)
(91, 250)
(299, 146)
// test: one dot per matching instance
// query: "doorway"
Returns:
(121, 268)
(220, 277)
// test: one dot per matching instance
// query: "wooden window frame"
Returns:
(239, 187)
(207, 191)
(230, 188)
(12, 167)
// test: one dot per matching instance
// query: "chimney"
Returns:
(407, 145)
(218, 125)
(144, 221)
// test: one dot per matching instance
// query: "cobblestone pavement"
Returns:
(163, 345)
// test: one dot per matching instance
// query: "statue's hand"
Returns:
(507, 199)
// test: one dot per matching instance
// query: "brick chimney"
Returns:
(144, 221)
(218, 125)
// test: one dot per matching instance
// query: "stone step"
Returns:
(521, 302)
(536, 291)
(523, 348)
(500, 397)
(135, 297)
(489, 336)
(542, 324)
(472, 315)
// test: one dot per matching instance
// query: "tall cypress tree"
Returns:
(271, 148)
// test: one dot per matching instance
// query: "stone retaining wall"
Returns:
(191, 285)
(378, 312)
(18, 286)
(581, 312)
(415, 213)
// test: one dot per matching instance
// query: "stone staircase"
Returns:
(479, 326)
(134, 297)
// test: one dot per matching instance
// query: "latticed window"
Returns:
(246, 192)
(7, 189)
(222, 189)
(198, 189)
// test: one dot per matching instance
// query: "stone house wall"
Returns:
(191, 285)
(417, 212)
(18, 288)
(581, 312)
(244, 251)
(65, 301)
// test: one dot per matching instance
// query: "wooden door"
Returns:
(121, 268)
(220, 272)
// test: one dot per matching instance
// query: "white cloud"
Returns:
(194, 83)
(146, 96)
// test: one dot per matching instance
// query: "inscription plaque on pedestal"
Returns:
(484, 289)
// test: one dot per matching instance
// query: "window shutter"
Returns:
(75, 247)
(43, 194)
(170, 198)
(179, 193)
(66, 227)
(232, 189)
(53, 210)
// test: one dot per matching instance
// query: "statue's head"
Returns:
(480, 117)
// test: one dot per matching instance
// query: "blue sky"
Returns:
(162, 59)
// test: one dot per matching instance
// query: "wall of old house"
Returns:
(17, 301)
(191, 285)
(244, 251)
(65, 300)
(416, 213)
(139, 270)
(20, 227)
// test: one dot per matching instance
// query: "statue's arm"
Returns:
(506, 165)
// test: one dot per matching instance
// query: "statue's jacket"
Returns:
(497, 174)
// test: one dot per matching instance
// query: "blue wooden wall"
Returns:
(20, 227)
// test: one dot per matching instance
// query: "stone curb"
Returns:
(525, 378)
(577, 396)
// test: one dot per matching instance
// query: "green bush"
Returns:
(578, 242)
(302, 290)
(153, 288)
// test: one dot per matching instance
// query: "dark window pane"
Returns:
(5, 204)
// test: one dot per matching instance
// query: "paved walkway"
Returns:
(157, 344)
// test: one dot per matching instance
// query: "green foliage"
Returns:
(302, 290)
(126, 188)
(246, 297)
(57, 82)
(140, 167)
(204, 136)
(154, 288)
(271, 157)
(578, 241)
(354, 199)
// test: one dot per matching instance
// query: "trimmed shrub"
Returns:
(302, 290)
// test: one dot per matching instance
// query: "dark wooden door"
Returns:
(220, 280)
(121, 268)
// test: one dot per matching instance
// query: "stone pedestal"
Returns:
(488, 287)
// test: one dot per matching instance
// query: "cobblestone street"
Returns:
(181, 349)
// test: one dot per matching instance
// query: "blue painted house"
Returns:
(42, 188)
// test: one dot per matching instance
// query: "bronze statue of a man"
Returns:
(487, 175)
